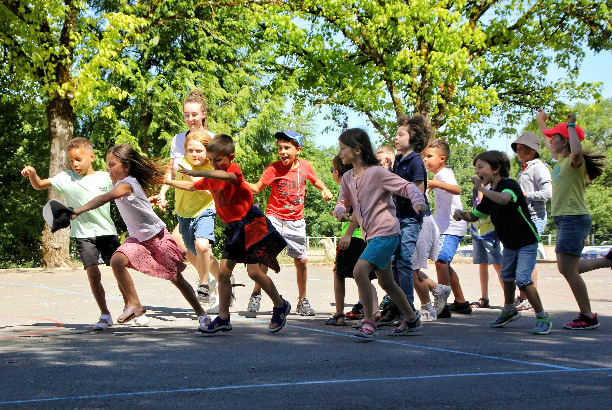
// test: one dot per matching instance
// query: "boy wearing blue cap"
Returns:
(288, 177)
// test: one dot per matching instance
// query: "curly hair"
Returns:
(419, 128)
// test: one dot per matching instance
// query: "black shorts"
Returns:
(347, 258)
(91, 249)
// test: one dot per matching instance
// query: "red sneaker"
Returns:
(583, 322)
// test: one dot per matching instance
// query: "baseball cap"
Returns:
(57, 215)
(530, 140)
(289, 135)
(562, 129)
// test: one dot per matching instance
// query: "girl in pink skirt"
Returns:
(150, 249)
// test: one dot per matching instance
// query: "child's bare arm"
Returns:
(501, 198)
(37, 182)
(452, 188)
(542, 117)
(465, 216)
(574, 142)
(117, 192)
(214, 174)
(320, 185)
(255, 187)
(184, 185)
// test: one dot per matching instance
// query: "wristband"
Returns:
(571, 124)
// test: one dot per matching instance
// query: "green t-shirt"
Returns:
(77, 191)
(568, 189)
(356, 232)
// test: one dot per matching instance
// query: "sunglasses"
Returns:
(332, 169)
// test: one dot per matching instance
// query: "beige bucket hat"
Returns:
(530, 140)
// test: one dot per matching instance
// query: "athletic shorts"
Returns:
(92, 249)
(294, 233)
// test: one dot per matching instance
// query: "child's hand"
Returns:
(458, 215)
(186, 171)
(343, 217)
(159, 201)
(420, 208)
(344, 242)
(571, 118)
(477, 182)
(433, 183)
(27, 171)
(327, 195)
(541, 116)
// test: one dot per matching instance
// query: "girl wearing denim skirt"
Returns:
(569, 209)
(368, 189)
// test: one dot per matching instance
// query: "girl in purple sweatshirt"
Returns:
(368, 188)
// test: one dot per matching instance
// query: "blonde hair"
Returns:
(200, 136)
(385, 149)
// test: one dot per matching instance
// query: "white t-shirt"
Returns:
(177, 147)
(446, 203)
(77, 191)
(137, 213)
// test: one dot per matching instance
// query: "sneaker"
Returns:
(517, 301)
(142, 320)
(524, 305)
(254, 302)
(428, 312)
(303, 308)
(412, 326)
(440, 294)
(463, 308)
(543, 326)
(212, 284)
(217, 325)
(356, 312)
(392, 316)
(203, 293)
(506, 318)
(213, 306)
(104, 323)
(446, 313)
(204, 322)
(384, 304)
(583, 322)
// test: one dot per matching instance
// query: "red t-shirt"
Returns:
(233, 199)
(288, 189)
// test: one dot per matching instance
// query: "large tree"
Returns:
(454, 61)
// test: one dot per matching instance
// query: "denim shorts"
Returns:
(486, 251)
(572, 231)
(201, 227)
(519, 264)
(380, 249)
(540, 224)
(447, 247)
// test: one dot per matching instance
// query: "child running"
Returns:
(507, 207)
(350, 248)
(574, 168)
(368, 188)
(95, 232)
(150, 249)
(250, 237)
(288, 178)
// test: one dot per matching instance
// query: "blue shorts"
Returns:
(540, 224)
(380, 249)
(447, 247)
(519, 264)
(572, 231)
(486, 251)
(201, 227)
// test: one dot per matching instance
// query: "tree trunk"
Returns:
(60, 115)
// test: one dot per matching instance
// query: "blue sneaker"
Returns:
(543, 326)
(506, 318)
(217, 325)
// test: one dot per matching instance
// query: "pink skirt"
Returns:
(159, 256)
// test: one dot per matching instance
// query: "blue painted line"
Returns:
(300, 383)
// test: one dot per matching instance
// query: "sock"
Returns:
(589, 315)
(541, 315)
(509, 307)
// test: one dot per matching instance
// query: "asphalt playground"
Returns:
(51, 358)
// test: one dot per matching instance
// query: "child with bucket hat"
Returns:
(569, 209)
(536, 182)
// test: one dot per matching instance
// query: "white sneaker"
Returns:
(254, 302)
(441, 294)
(428, 312)
(104, 323)
(214, 305)
(142, 321)
(212, 284)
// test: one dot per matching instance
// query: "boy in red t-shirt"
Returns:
(250, 237)
(286, 208)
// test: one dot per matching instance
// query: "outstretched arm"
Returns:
(35, 180)
(460, 215)
(320, 185)
(255, 187)
(542, 117)
(574, 141)
(453, 189)
(117, 192)
(184, 185)
(214, 174)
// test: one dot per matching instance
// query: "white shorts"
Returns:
(294, 233)
(427, 244)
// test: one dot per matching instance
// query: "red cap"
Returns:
(562, 129)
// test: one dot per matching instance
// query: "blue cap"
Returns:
(289, 135)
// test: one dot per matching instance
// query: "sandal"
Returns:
(367, 330)
(104, 323)
(279, 316)
(217, 325)
(130, 313)
(335, 320)
(481, 304)
(412, 326)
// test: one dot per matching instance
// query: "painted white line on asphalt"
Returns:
(296, 384)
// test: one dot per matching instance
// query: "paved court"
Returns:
(51, 358)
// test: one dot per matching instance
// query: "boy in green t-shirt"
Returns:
(94, 231)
